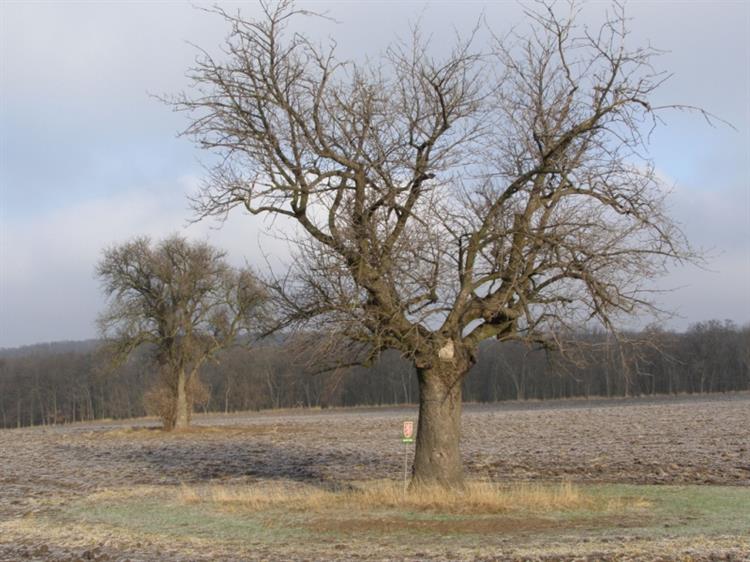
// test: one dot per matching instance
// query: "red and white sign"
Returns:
(408, 429)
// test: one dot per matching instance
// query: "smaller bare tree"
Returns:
(184, 300)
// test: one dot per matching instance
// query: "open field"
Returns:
(654, 479)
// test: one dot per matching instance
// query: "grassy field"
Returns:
(376, 520)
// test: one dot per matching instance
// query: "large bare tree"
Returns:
(184, 300)
(497, 192)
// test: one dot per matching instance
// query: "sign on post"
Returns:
(407, 435)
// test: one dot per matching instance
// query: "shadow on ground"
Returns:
(169, 460)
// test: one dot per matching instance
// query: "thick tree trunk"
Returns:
(437, 460)
(182, 417)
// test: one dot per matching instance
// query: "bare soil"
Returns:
(667, 440)
(456, 526)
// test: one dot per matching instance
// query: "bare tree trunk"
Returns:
(404, 385)
(437, 459)
(89, 404)
(181, 406)
(272, 390)
(227, 392)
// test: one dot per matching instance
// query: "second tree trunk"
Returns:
(182, 416)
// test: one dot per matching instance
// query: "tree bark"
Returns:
(182, 418)
(437, 460)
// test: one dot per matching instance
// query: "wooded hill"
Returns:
(72, 381)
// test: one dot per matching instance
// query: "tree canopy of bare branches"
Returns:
(501, 191)
(184, 300)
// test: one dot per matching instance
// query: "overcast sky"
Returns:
(88, 158)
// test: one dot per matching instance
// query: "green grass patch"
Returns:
(647, 513)
(686, 510)
(163, 517)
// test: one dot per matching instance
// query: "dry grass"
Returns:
(477, 498)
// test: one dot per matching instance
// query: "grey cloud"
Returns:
(89, 158)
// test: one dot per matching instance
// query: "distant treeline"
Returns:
(72, 381)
